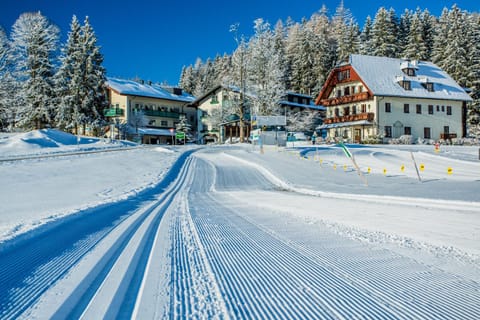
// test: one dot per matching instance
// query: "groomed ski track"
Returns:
(191, 250)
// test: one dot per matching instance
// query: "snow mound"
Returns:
(50, 141)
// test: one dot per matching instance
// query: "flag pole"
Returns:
(352, 158)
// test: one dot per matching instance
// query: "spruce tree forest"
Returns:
(47, 84)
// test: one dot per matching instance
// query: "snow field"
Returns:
(241, 234)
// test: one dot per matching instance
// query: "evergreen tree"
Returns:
(473, 76)
(34, 43)
(455, 62)
(4, 92)
(415, 47)
(294, 48)
(429, 22)
(94, 96)
(384, 34)
(187, 79)
(440, 39)
(345, 33)
(69, 80)
(280, 49)
(404, 31)
(264, 70)
(81, 80)
(366, 46)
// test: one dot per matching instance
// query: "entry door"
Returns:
(358, 135)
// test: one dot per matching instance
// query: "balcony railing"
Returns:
(113, 112)
(345, 99)
(446, 136)
(161, 114)
(369, 116)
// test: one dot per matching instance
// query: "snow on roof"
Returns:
(133, 88)
(381, 74)
(302, 105)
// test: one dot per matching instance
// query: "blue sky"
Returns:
(153, 39)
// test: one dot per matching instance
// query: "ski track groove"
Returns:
(410, 298)
(130, 285)
(340, 279)
(45, 275)
(24, 296)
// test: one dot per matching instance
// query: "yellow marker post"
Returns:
(369, 170)
(422, 167)
(334, 167)
(402, 168)
(345, 167)
(384, 171)
(449, 171)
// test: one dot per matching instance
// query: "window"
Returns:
(354, 109)
(411, 72)
(346, 111)
(388, 131)
(342, 75)
(449, 110)
(429, 86)
(443, 108)
(346, 91)
(446, 130)
(337, 112)
(430, 109)
(426, 133)
(339, 93)
(388, 107)
(408, 131)
(364, 108)
(164, 123)
(214, 99)
(406, 108)
(419, 108)
(360, 88)
(406, 85)
(438, 108)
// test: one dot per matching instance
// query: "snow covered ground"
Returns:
(285, 233)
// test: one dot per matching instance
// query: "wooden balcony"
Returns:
(369, 116)
(447, 136)
(345, 99)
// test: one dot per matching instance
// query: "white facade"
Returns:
(386, 98)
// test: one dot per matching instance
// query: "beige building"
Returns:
(148, 112)
(371, 97)
(218, 113)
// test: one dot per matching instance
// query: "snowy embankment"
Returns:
(56, 177)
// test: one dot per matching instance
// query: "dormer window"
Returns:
(427, 84)
(404, 82)
(406, 85)
(410, 72)
(409, 68)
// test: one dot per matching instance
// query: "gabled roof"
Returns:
(380, 75)
(133, 88)
(215, 90)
